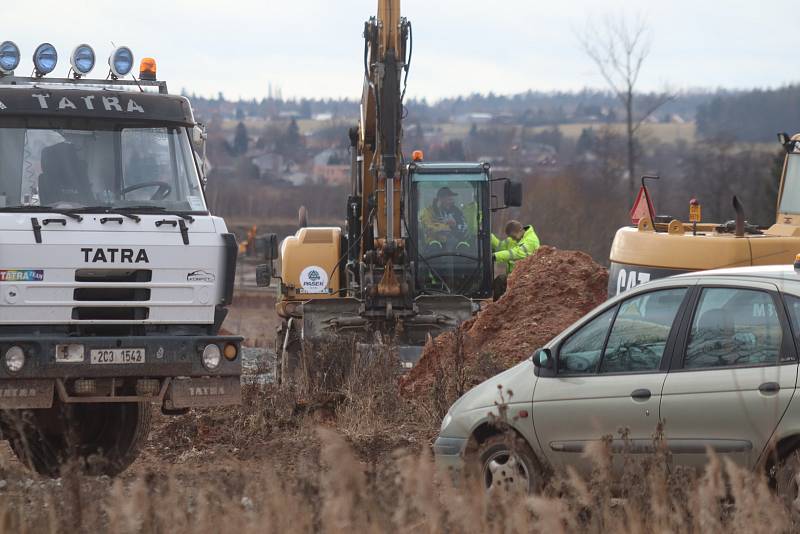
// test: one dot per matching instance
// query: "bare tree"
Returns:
(619, 49)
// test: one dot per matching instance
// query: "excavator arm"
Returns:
(379, 182)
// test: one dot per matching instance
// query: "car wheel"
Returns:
(787, 481)
(507, 465)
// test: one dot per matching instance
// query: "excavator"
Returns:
(660, 246)
(414, 259)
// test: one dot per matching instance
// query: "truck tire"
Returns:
(104, 439)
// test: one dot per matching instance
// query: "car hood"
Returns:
(516, 385)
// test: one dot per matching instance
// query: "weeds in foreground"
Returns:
(313, 467)
(411, 494)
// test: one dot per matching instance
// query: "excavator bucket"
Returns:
(432, 315)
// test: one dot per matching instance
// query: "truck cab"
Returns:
(115, 277)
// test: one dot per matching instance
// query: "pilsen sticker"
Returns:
(314, 280)
(20, 275)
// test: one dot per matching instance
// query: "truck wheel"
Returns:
(507, 464)
(104, 438)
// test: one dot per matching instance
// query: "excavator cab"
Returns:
(450, 235)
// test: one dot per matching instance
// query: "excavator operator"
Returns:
(443, 223)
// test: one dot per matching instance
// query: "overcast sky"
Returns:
(313, 48)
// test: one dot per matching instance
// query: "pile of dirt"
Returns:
(546, 293)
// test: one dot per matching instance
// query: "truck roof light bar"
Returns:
(9, 57)
(82, 60)
(45, 59)
(121, 62)
(124, 85)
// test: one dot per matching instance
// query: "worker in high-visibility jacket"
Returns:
(520, 242)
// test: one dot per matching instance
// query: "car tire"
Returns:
(507, 464)
(787, 481)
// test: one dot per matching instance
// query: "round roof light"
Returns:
(121, 61)
(82, 60)
(45, 59)
(9, 57)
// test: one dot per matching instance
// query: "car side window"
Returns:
(734, 327)
(793, 305)
(640, 332)
(580, 353)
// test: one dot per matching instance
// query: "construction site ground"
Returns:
(354, 454)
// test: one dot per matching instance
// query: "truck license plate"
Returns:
(117, 356)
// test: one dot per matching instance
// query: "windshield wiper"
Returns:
(153, 209)
(101, 209)
(42, 209)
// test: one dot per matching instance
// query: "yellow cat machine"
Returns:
(415, 257)
(656, 248)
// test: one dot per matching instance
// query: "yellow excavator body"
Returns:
(655, 250)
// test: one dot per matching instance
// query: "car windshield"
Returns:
(448, 224)
(74, 163)
(790, 200)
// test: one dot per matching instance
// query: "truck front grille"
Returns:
(110, 313)
(124, 294)
(113, 275)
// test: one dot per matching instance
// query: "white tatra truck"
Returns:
(114, 277)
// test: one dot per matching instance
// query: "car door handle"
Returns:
(769, 387)
(641, 394)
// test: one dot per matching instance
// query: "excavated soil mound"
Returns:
(546, 293)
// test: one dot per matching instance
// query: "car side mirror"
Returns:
(264, 275)
(543, 358)
(512, 193)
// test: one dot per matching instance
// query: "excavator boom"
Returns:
(391, 274)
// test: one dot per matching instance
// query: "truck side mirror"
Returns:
(512, 193)
(264, 275)
(199, 137)
(267, 246)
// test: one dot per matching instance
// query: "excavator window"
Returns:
(790, 200)
(448, 227)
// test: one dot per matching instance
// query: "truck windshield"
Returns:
(76, 163)
(790, 200)
(448, 229)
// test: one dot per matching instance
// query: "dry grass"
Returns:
(345, 453)
(408, 495)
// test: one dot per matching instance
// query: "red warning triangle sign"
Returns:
(643, 207)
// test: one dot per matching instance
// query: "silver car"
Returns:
(712, 355)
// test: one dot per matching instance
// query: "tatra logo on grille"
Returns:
(114, 255)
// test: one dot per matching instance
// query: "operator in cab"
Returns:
(443, 222)
(520, 242)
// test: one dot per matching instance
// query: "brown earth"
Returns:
(546, 293)
(253, 317)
